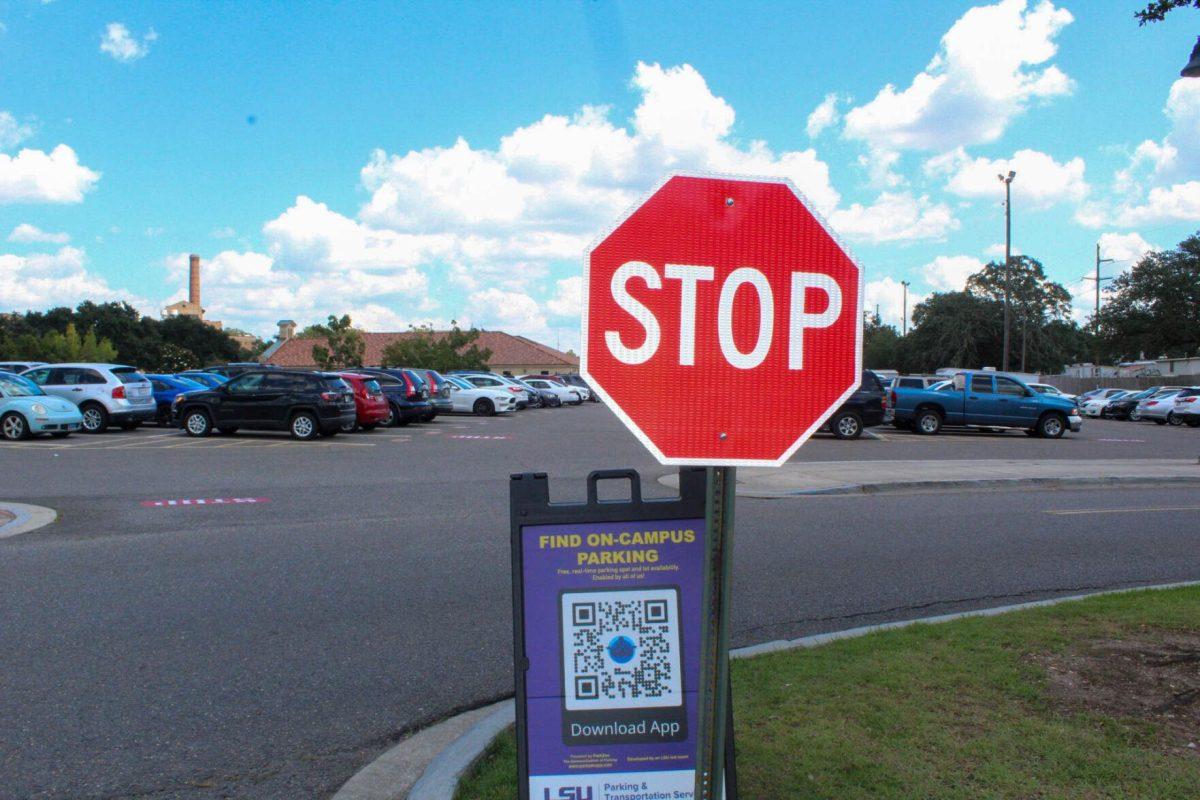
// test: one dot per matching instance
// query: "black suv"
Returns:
(865, 409)
(307, 404)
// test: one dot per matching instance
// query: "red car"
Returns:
(370, 405)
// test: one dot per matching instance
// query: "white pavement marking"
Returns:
(1146, 509)
(26, 518)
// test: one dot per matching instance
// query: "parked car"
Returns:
(566, 395)
(1121, 407)
(306, 404)
(1158, 408)
(209, 380)
(1095, 406)
(1187, 407)
(439, 392)
(538, 398)
(1045, 388)
(235, 368)
(488, 380)
(914, 381)
(25, 410)
(985, 400)
(17, 367)
(1096, 394)
(866, 408)
(406, 393)
(1181, 401)
(484, 401)
(370, 406)
(106, 394)
(165, 389)
(576, 380)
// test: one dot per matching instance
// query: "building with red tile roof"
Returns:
(511, 354)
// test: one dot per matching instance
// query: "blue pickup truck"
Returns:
(984, 400)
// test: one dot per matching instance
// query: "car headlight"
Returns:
(38, 408)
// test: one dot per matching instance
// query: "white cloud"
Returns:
(568, 299)
(1163, 205)
(1041, 181)
(123, 46)
(1125, 247)
(43, 280)
(28, 234)
(879, 165)
(950, 273)
(823, 116)
(514, 312)
(997, 250)
(12, 132)
(888, 296)
(895, 217)
(1177, 156)
(985, 74)
(33, 176)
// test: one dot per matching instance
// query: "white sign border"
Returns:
(625, 419)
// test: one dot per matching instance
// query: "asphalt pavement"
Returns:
(268, 648)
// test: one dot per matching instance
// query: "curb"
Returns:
(976, 483)
(440, 777)
(26, 518)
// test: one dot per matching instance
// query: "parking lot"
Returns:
(252, 616)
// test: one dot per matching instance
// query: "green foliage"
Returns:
(114, 332)
(344, 344)
(1155, 307)
(953, 329)
(1157, 10)
(881, 344)
(441, 351)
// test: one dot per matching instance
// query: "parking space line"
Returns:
(1145, 509)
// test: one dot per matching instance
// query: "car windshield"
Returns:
(334, 382)
(16, 386)
(373, 386)
(128, 375)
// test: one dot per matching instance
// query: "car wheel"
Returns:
(1051, 426)
(1173, 419)
(390, 420)
(484, 408)
(927, 422)
(229, 430)
(14, 427)
(1135, 416)
(197, 422)
(369, 426)
(847, 425)
(303, 426)
(95, 418)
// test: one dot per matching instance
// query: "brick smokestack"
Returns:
(194, 280)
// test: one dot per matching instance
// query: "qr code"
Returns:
(621, 649)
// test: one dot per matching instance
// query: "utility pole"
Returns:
(1096, 315)
(904, 320)
(1007, 181)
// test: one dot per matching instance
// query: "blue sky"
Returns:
(422, 162)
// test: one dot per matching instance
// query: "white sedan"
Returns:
(467, 398)
(1094, 406)
(569, 395)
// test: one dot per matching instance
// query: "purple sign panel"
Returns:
(612, 636)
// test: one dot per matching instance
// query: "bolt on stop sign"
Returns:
(722, 321)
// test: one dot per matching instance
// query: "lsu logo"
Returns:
(569, 793)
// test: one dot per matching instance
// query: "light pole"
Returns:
(1007, 181)
(904, 319)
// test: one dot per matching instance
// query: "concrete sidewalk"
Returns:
(17, 518)
(868, 477)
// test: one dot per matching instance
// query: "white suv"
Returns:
(107, 394)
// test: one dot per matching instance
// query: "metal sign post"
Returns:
(714, 645)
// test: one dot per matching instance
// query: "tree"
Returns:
(953, 329)
(1154, 309)
(1034, 300)
(1157, 10)
(438, 350)
(881, 343)
(344, 344)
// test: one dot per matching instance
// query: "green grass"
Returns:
(955, 710)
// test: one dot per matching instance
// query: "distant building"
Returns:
(514, 355)
(191, 307)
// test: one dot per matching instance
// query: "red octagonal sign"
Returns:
(722, 321)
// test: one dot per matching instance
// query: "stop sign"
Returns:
(722, 321)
